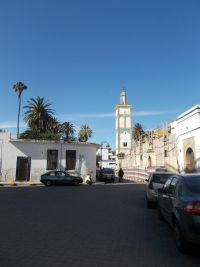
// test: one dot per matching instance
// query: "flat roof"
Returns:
(187, 112)
(52, 142)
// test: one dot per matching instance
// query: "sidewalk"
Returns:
(20, 184)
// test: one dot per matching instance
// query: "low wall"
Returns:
(139, 174)
(136, 174)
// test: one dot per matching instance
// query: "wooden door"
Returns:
(23, 168)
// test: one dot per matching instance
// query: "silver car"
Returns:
(155, 181)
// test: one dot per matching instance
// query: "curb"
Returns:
(19, 185)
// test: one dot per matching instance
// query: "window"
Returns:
(52, 174)
(125, 144)
(161, 178)
(178, 190)
(172, 186)
(70, 159)
(60, 174)
(52, 159)
(167, 184)
(166, 153)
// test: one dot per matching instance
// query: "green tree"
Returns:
(85, 133)
(39, 115)
(19, 87)
(53, 126)
(67, 131)
(138, 132)
(30, 134)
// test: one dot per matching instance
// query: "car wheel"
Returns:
(75, 182)
(48, 183)
(181, 243)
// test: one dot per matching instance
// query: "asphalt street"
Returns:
(97, 226)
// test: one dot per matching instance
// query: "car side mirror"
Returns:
(146, 180)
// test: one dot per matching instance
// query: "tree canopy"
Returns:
(138, 132)
(85, 133)
(19, 87)
(42, 125)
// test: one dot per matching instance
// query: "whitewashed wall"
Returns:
(10, 149)
(188, 126)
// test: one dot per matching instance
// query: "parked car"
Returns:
(155, 181)
(179, 205)
(106, 175)
(60, 177)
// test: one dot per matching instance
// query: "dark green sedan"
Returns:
(179, 205)
(59, 177)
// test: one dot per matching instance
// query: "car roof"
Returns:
(190, 174)
(55, 171)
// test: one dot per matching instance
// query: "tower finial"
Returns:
(123, 97)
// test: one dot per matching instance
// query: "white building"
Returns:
(26, 160)
(187, 130)
(123, 113)
(105, 158)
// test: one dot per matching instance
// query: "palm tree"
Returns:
(85, 133)
(67, 130)
(38, 115)
(138, 132)
(19, 88)
(53, 126)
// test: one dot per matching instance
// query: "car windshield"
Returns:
(193, 184)
(160, 178)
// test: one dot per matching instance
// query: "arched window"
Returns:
(121, 122)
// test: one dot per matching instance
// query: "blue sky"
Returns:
(78, 54)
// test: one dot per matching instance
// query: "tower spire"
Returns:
(123, 97)
(123, 113)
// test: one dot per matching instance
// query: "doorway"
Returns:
(189, 161)
(70, 159)
(23, 168)
(149, 162)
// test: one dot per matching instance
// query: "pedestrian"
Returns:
(120, 174)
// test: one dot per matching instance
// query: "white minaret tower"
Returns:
(123, 125)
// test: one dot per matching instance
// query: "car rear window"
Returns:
(193, 184)
(160, 178)
(108, 170)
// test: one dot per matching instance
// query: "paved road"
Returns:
(97, 226)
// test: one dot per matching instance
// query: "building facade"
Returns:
(26, 160)
(106, 158)
(175, 147)
(187, 130)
